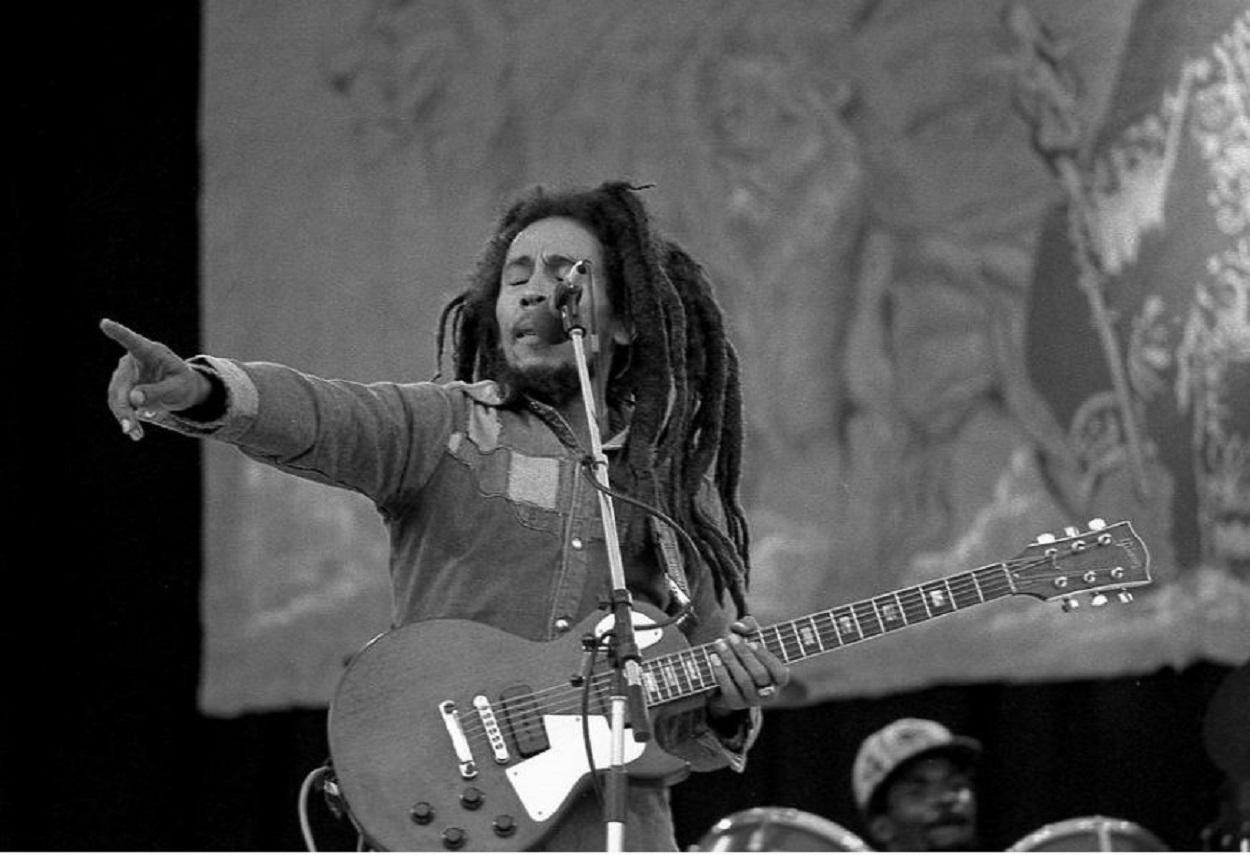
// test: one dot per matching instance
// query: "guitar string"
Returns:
(566, 699)
(557, 699)
(554, 697)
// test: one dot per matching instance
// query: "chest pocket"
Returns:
(536, 487)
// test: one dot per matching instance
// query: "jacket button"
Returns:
(577, 543)
(563, 624)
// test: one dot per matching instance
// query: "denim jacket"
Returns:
(489, 520)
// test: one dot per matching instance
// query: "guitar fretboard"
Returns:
(689, 672)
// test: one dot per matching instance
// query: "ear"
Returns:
(881, 829)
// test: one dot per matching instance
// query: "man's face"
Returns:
(930, 806)
(530, 332)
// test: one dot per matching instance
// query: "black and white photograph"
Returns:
(628, 425)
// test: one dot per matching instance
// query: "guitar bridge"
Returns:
(464, 755)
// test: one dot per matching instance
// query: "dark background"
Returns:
(103, 748)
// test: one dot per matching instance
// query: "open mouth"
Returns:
(540, 328)
(526, 332)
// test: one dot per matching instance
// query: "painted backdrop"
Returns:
(985, 264)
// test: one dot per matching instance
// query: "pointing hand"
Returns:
(149, 379)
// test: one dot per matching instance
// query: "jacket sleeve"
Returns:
(377, 439)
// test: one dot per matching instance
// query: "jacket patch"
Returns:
(534, 480)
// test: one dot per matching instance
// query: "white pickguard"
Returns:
(643, 637)
(544, 781)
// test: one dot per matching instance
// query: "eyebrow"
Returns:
(547, 258)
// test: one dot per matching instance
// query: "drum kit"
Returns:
(1090, 834)
(784, 829)
(778, 829)
(1227, 739)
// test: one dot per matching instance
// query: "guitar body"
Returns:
(392, 739)
(450, 734)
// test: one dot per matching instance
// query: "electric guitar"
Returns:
(449, 734)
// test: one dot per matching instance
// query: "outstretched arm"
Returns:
(379, 439)
(149, 379)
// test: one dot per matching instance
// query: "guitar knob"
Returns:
(1071, 604)
(1098, 600)
(422, 813)
(1097, 524)
(1071, 530)
(1046, 537)
(504, 825)
(454, 838)
(471, 798)
(1125, 597)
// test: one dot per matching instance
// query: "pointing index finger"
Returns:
(126, 337)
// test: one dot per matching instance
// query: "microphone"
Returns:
(567, 298)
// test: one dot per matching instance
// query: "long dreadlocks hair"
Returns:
(680, 372)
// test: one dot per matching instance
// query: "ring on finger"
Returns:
(767, 691)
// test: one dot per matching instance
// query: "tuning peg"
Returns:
(1097, 524)
(1125, 597)
(1098, 600)
(1045, 537)
(1071, 604)
(1071, 530)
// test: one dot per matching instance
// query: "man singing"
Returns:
(479, 479)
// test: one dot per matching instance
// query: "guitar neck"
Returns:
(689, 672)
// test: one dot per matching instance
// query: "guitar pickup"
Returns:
(491, 725)
(525, 724)
(464, 755)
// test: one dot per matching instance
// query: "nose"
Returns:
(956, 795)
(538, 289)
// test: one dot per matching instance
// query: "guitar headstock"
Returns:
(1102, 558)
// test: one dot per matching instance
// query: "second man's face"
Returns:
(931, 806)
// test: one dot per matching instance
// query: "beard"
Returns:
(554, 385)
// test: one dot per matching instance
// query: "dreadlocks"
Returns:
(680, 372)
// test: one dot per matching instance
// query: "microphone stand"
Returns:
(627, 699)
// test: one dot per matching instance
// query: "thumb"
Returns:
(173, 392)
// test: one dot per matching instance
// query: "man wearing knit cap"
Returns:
(914, 785)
